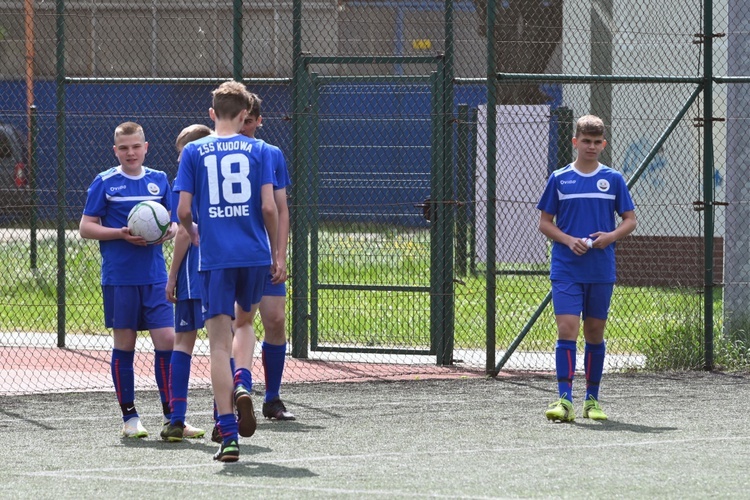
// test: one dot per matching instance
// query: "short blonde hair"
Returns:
(589, 125)
(129, 128)
(191, 133)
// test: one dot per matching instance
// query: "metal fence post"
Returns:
(435, 213)
(564, 116)
(299, 226)
(471, 195)
(33, 222)
(491, 190)
(708, 185)
(462, 190)
(237, 52)
(61, 191)
(312, 164)
(448, 218)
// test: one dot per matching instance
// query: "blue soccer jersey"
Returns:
(584, 204)
(188, 286)
(279, 168)
(110, 197)
(225, 175)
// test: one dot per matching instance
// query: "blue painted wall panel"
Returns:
(374, 139)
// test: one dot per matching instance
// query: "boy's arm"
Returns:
(185, 214)
(548, 228)
(171, 233)
(91, 228)
(271, 221)
(283, 232)
(181, 246)
(627, 226)
(172, 229)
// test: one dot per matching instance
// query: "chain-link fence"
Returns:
(418, 147)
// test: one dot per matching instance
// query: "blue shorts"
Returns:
(188, 315)
(582, 299)
(137, 307)
(221, 288)
(274, 290)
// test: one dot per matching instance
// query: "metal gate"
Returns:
(372, 208)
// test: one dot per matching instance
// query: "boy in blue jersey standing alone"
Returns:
(577, 214)
(133, 273)
(183, 290)
(230, 178)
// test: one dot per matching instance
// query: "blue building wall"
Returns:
(374, 139)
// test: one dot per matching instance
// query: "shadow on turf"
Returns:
(190, 444)
(287, 426)
(245, 468)
(614, 426)
(20, 417)
(193, 444)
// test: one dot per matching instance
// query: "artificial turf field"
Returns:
(676, 435)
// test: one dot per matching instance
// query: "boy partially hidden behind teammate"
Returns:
(272, 306)
(183, 289)
(578, 210)
(231, 179)
(133, 273)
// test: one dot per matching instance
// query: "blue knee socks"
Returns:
(594, 366)
(123, 378)
(162, 363)
(178, 382)
(273, 368)
(565, 362)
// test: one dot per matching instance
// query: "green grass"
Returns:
(663, 323)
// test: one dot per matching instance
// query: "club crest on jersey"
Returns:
(602, 185)
(153, 188)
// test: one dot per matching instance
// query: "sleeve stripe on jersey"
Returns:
(602, 196)
(560, 171)
(132, 198)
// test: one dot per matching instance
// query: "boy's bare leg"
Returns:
(124, 339)
(273, 315)
(163, 338)
(568, 326)
(244, 337)
(185, 341)
(593, 330)
(219, 330)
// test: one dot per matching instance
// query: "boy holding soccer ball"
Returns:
(133, 273)
(230, 179)
(579, 204)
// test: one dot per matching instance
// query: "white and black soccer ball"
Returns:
(150, 220)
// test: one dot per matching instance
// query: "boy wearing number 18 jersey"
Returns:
(231, 179)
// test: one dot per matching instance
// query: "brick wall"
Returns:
(665, 261)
